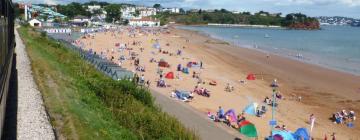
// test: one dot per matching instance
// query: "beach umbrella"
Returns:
(248, 129)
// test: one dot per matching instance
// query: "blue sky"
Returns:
(349, 8)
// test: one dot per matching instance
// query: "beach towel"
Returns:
(163, 64)
(182, 95)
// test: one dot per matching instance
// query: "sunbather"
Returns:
(278, 95)
(227, 120)
(352, 115)
(241, 118)
(229, 88)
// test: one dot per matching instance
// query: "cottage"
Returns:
(144, 21)
(147, 12)
(35, 23)
(81, 21)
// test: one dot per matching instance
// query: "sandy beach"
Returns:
(323, 91)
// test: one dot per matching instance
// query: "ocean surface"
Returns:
(334, 47)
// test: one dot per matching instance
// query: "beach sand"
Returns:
(323, 91)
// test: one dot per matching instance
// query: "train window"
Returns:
(2, 43)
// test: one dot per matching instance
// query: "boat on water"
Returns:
(267, 36)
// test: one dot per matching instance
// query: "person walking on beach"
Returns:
(333, 136)
(148, 83)
(312, 122)
(201, 64)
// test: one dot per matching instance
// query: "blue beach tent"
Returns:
(251, 109)
(302, 134)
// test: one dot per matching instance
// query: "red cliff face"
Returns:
(306, 25)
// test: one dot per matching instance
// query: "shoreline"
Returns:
(226, 63)
(246, 26)
(287, 56)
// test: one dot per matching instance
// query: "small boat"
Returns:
(267, 36)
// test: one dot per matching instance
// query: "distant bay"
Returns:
(335, 47)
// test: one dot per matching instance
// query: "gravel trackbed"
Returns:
(32, 120)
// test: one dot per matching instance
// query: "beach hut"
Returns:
(248, 129)
(169, 75)
(250, 77)
(117, 44)
(251, 109)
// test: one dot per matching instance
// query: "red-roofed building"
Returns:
(144, 21)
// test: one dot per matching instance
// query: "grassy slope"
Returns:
(85, 104)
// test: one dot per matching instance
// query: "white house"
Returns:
(128, 12)
(171, 10)
(81, 19)
(92, 8)
(145, 21)
(35, 23)
(147, 12)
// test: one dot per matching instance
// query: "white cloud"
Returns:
(310, 7)
(51, 2)
(320, 2)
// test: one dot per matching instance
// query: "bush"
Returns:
(43, 34)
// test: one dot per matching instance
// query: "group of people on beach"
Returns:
(344, 117)
(341, 117)
(220, 116)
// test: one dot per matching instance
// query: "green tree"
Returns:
(73, 9)
(45, 17)
(137, 13)
(224, 11)
(157, 6)
(200, 12)
(97, 12)
(113, 13)
(182, 11)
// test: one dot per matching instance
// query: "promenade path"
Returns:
(193, 119)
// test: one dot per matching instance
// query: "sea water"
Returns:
(335, 47)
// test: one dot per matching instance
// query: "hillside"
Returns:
(291, 21)
(85, 104)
